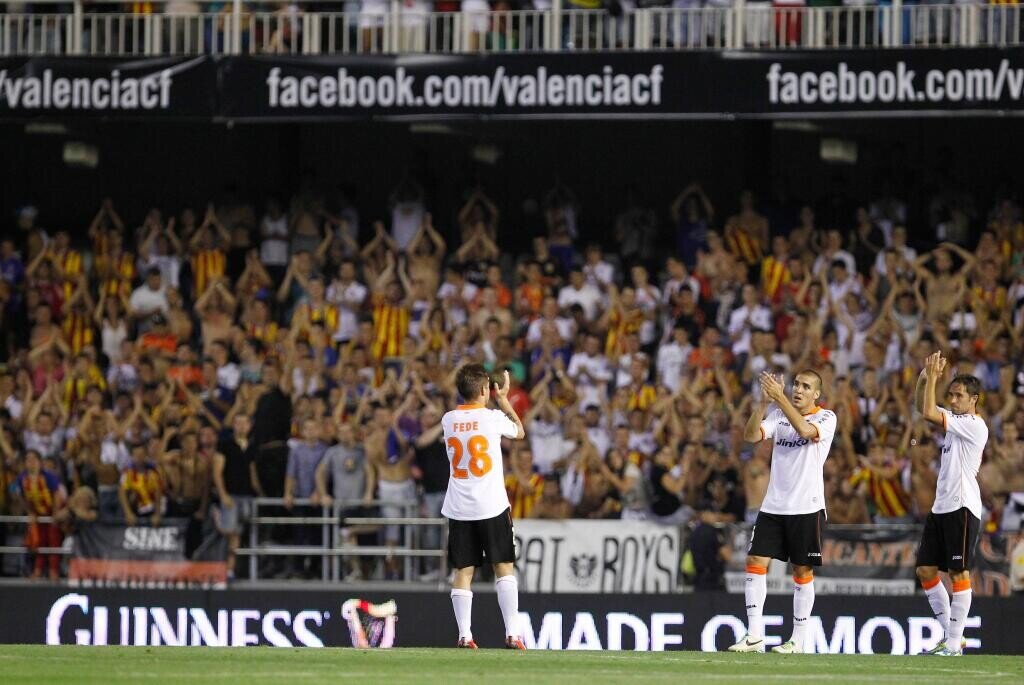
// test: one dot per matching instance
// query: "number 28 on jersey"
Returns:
(479, 461)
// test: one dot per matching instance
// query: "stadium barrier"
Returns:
(333, 549)
(573, 555)
(704, 621)
(256, 28)
(103, 542)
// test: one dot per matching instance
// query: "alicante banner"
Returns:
(343, 617)
(577, 555)
(119, 555)
(654, 84)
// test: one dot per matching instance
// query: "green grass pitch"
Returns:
(253, 666)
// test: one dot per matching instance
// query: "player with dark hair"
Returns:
(951, 529)
(476, 504)
(792, 515)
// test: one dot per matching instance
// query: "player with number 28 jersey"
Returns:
(476, 504)
(476, 489)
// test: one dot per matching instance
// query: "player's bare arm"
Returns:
(752, 430)
(934, 366)
(501, 392)
(776, 392)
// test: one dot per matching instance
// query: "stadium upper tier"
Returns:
(183, 27)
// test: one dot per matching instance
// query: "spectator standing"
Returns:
(304, 456)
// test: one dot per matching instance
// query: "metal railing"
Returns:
(332, 550)
(21, 549)
(237, 29)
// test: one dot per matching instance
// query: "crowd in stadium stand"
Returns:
(176, 365)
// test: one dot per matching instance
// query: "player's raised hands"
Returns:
(502, 390)
(934, 365)
(772, 387)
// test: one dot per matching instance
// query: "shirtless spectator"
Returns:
(186, 473)
(388, 452)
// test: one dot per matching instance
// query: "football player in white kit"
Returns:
(951, 529)
(476, 504)
(792, 515)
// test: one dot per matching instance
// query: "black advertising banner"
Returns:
(654, 84)
(317, 618)
(74, 87)
(632, 84)
(119, 555)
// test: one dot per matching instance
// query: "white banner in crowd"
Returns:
(596, 556)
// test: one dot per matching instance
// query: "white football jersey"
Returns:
(476, 486)
(966, 435)
(797, 484)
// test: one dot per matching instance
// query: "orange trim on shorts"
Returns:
(803, 580)
(962, 585)
(757, 570)
(929, 584)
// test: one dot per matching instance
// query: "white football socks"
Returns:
(959, 607)
(938, 599)
(803, 602)
(462, 603)
(755, 590)
(508, 599)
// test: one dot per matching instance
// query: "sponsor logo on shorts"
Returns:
(958, 557)
(814, 554)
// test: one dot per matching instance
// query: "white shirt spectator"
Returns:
(565, 329)
(825, 261)
(595, 372)
(643, 442)
(457, 308)
(588, 297)
(648, 299)
(673, 286)
(274, 246)
(600, 439)
(228, 376)
(839, 290)
(548, 444)
(909, 253)
(600, 274)
(622, 377)
(46, 445)
(169, 265)
(13, 406)
(147, 301)
(123, 376)
(349, 299)
(406, 219)
(372, 13)
(742, 320)
(671, 360)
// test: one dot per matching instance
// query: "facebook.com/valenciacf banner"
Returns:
(659, 84)
(665, 84)
(318, 618)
